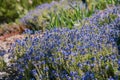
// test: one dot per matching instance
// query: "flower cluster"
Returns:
(102, 28)
(88, 53)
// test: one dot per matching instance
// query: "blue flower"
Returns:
(119, 62)
(2, 53)
(31, 50)
(93, 58)
(111, 78)
(72, 73)
(34, 72)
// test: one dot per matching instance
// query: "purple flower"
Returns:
(34, 72)
(2, 53)
(61, 49)
(119, 62)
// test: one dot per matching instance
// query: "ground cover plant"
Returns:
(43, 17)
(53, 15)
(76, 41)
(88, 53)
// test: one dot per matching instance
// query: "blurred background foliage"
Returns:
(65, 14)
(10, 10)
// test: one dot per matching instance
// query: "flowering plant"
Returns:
(88, 53)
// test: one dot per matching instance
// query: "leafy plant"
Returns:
(67, 15)
(61, 53)
(10, 10)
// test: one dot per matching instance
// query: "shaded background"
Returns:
(10, 10)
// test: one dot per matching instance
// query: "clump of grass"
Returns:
(64, 16)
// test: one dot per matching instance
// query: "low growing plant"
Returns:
(88, 53)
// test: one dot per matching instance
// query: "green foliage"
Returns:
(68, 14)
(10, 10)
(58, 16)
(2, 64)
(111, 18)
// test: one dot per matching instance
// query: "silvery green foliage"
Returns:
(37, 11)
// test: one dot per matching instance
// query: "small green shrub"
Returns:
(10, 10)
